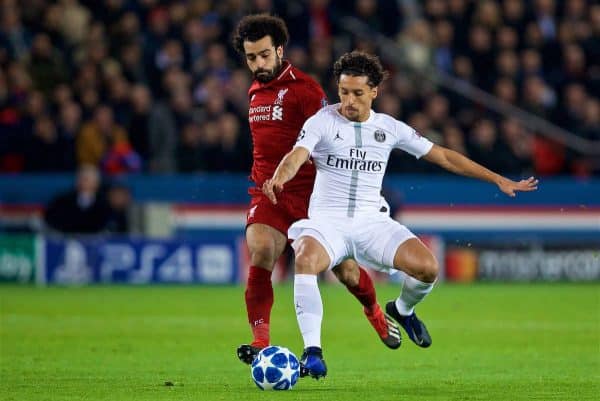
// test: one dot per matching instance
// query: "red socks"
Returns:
(259, 300)
(364, 291)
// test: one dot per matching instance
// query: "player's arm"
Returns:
(286, 170)
(459, 164)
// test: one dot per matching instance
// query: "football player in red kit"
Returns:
(281, 99)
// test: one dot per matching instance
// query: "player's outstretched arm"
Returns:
(459, 164)
(286, 170)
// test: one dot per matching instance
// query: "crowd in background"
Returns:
(155, 86)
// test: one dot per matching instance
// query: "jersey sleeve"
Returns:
(409, 140)
(310, 134)
(312, 100)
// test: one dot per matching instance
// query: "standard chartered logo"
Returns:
(277, 113)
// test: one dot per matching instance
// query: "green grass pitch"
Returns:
(490, 342)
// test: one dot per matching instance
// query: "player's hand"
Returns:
(271, 188)
(510, 187)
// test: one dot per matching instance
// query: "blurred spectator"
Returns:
(13, 35)
(217, 65)
(485, 147)
(389, 104)
(103, 143)
(487, 14)
(572, 110)
(416, 43)
(538, 98)
(119, 203)
(590, 124)
(481, 53)
(68, 128)
(507, 38)
(139, 123)
(544, 11)
(237, 98)
(189, 150)
(531, 63)
(437, 110)
(134, 69)
(45, 65)
(195, 44)
(514, 14)
(81, 210)
(235, 150)
(321, 55)
(74, 21)
(61, 95)
(506, 90)
(167, 119)
(159, 66)
(382, 16)
(520, 143)
(507, 65)
(210, 142)
(44, 151)
(119, 98)
(444, 37)
(454, 139)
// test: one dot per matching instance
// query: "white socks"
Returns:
(309, 308)
(413, 292)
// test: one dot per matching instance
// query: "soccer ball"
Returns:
(275, 368)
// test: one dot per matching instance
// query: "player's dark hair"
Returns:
(254, 27)
(358, 64)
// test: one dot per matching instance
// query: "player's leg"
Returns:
(421, 267)
(359, 283)
(403, 251)
(311, 259)
(265, 245)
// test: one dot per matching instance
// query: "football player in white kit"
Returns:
(350, 145)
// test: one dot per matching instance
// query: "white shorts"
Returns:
(371, 240)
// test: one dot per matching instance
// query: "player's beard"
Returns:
(264, 76)
(351, 114)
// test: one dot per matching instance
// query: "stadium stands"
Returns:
(155, 86)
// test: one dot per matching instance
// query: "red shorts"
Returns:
(290, 207)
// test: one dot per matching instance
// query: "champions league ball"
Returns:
(275, 368)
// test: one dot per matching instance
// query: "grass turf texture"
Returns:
(490, 342)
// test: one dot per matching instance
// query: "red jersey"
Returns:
(278, 110)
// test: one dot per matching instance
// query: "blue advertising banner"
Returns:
(207, 259)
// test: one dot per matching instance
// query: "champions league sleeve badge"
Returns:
(379, 136)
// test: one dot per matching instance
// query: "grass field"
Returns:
(490, 342)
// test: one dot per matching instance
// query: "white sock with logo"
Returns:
(413, 292)
(309, 308)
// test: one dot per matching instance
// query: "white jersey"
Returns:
(351, 158)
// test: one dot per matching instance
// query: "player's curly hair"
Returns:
(358, 64)
(257, 26)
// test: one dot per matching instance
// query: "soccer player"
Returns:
(281, 99)
(350, 145)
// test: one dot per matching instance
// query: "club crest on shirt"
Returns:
(379, 136)
(280, 96)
